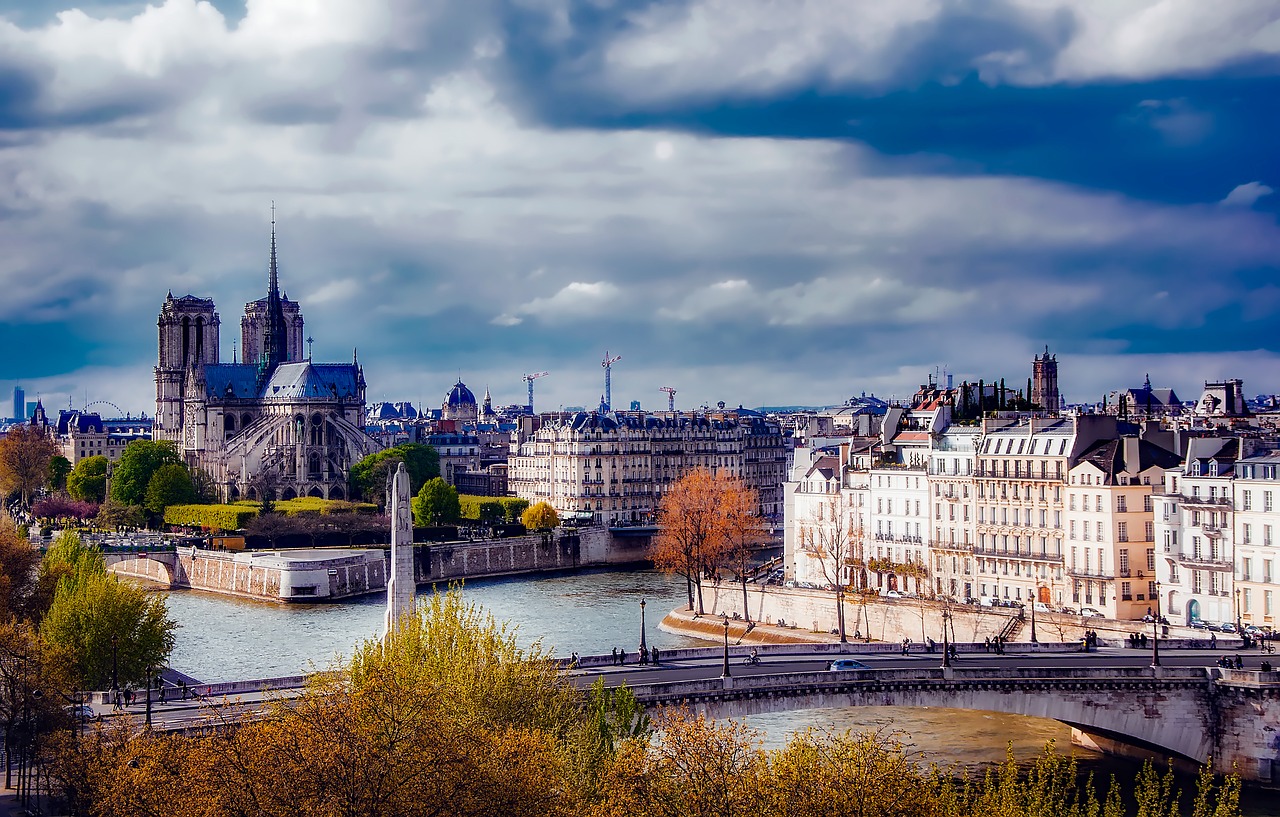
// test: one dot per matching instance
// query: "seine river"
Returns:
(222, 638)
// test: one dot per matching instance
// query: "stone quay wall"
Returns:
(590, 547)
(892, 620)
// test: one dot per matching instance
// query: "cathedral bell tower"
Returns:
(188, 340)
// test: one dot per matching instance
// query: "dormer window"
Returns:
(1213, 468)
(1195, 468)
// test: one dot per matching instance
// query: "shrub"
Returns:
(211, 517)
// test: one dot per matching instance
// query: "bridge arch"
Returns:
(1168, 715)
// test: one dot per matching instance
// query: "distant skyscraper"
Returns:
(31, 410)
(1044, 381)
(19, 403)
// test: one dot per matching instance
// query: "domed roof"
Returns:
(460, 395)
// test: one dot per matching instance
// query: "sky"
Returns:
(764, 202)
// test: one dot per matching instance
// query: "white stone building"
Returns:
(1256, 527)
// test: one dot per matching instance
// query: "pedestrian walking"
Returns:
(615, 655)
(622, 658)
(653, 654)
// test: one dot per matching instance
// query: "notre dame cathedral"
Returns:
(276, 422)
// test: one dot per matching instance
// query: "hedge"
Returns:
(313, 504)
(212, 517)
(505, 508)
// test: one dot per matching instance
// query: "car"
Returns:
(83, 713)
(892, 594)
(845, 664)
(1071, 611)
(1227, 627)
(1199, 625)
(1041, 607)
(1089, 612)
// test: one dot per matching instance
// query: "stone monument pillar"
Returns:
(400, 584)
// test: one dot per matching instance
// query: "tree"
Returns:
(18, 580)
(96, 617)
(87, 482)
(206, 489)
(746, 534)
(138, 464)
(369, 475)
(436, 504)
(59, 468)
(114, 516)
(25, 453)
(830, 538)
(693, 529)
(540, 517)
(170, 485)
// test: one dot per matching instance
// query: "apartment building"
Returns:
(1111, 556)
(615, 467)
(952, 494)
(1256, 525)
(1194, 533)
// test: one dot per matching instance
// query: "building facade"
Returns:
(617, 466)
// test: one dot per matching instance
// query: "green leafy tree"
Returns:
(59, 468)
(87, 482)
(138, 464)
(170, 485)
(95, 617)
(25, 453)
(369, 475)
(540, 517)
(114, 516)
(436, 504)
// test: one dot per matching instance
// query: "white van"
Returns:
(989, 601)
(1041, 607)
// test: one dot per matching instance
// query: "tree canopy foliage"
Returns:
(59, 469)
(169, 485)
(25, 453)
(540, 516)
(706, 522)
(87, 482)
(138, 463)
(436, 504)
(369, 475)
(95, 616)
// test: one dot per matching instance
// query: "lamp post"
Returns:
(115, 670)
(643, 646)
(1239, 623)
(725, 672)
(946, 647)
(1035, 597)
(1155, 632)
(148, 718)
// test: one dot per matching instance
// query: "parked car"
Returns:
(1227, 627)
(1041, 607)
(1089, 612)
(846, 664)
(1071, 611)
(83, 713)
(892, 594)
(1199, 625)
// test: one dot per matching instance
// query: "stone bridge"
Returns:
(158, 566)
(1231, 718)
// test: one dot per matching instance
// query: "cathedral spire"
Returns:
(275, 346)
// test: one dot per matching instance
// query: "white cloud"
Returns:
(712, 47)
(1247, 194)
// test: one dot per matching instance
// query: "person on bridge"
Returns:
(614, 652)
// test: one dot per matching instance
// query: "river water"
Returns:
(222, 638)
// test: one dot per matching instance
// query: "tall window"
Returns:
(1122, 504)
(1124, 561)
(1122, 532)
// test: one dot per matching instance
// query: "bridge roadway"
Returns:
(1112, 698)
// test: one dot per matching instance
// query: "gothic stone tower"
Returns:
(188, 340)
(1044, 381)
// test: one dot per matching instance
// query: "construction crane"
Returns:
(671, 397)
(529, 378)
(607, 363)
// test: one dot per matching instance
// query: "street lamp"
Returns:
(115, 670)
(643, 647)
(1155, 631)
(149, 672)
(725, 672)
(1035, 597)
(946, 648)
(1239, 623)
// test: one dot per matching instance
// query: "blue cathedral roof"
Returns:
(289, 381)
(460, 395)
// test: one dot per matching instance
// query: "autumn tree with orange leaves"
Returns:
(705, 522)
